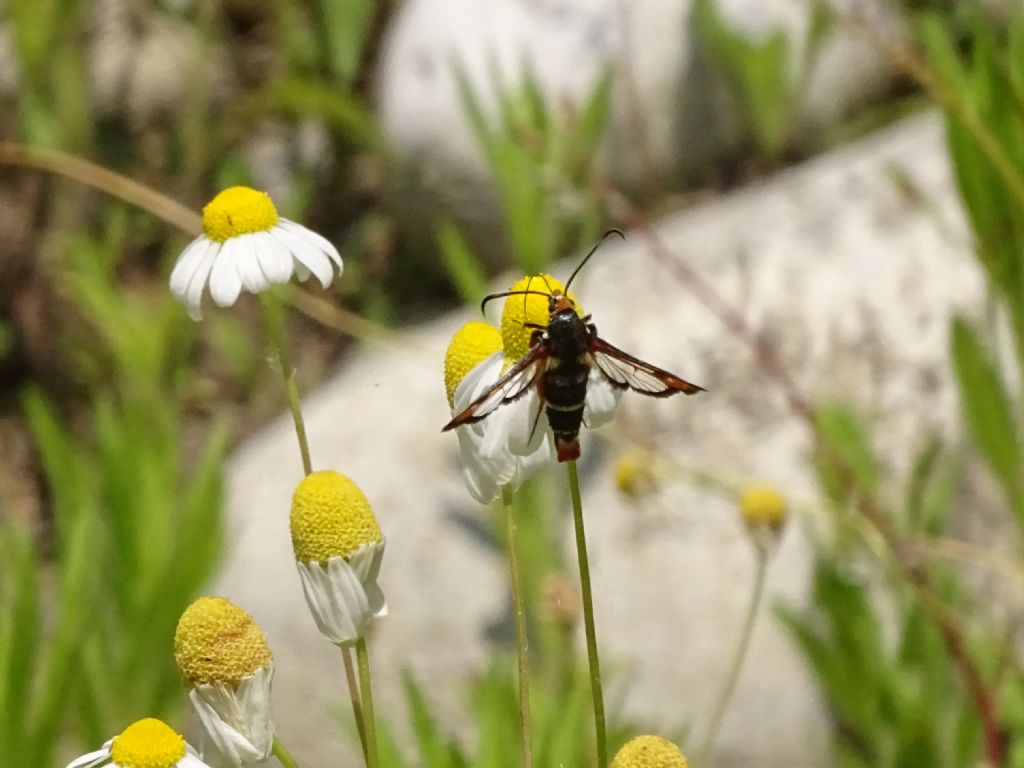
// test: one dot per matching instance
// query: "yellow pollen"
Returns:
(216, 642)
(330, 518)
(471, 345)
(649, 752)
(531, 308)
(763, 505)
(148, 743)
(238, 211)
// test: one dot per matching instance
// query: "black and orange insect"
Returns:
(558, 365)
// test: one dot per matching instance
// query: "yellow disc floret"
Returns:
(218, 643)
(330, 518)
(471, 345)
(529, 308)
(649, 752)
(763, 505)
(238, 211)
(148, 743)
(635, 475)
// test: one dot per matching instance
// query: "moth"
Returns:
(558, 364)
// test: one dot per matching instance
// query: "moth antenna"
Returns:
(503, 294)
(592, 251)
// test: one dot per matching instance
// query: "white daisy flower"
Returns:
(511, 442)
(473, 362)
(338, 549)
(228, 669)
(149, 743)
(245, 245)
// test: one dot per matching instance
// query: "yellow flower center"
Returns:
(471, 345)
(330, 518)
(218, 643)
(530, 308)
(238, 211)
(763, 505)
(649, 752)
(148, 743)
(635, 475)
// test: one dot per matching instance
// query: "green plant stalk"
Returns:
(588, 616)
(739, 657)
(366, 689)
(274, 320)
(522, 641)
(283, 755)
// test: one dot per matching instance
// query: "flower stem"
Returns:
(283, 755)
(522, 641)
(588, 616)
(740, 655)
(366, 689)
(353, 692)
(274, 318)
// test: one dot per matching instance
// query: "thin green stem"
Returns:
(274, 319)
(366, 689)
(739, 656)
(353, 692)
(283, 755)
(588, 616)
(522, 641)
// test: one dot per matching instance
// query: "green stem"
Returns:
(353, 692)
(366, 689)
(283, 755)
(522, 641)
(739, 657)
(275, 332)
(588, 616)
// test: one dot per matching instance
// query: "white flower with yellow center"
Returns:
(246, 245)
(511, 442)
(227, 666)
(148, 743)
(338, 550)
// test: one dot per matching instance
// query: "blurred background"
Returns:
(823, 205)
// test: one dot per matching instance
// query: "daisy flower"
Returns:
(245, 245)
(509, 443)
(227, 667)
(649, 752)
(338, 549)
(149, 742)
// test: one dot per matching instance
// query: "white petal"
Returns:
(237, 722)
(365, 563)
(275, 260)
(186, 265)
(225, 281)
(306, 253)
(92, 758)
(247, 260)
(527, 425)
(253, 695)
(194, 295)
(602, 400)
(529, 465)
(477, 473)
(336, 598)
(322, 242)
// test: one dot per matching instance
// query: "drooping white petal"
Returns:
(316, 238)
(274, 258)
(225, 280)
(186, 265)
(602, 400)
(92, 759)
(247, 261)
(306, 253)
(238, 721)
(194, 294)
(337, 597)
(527, 425)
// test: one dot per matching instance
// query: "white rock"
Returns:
(851, 278)
(670, 112)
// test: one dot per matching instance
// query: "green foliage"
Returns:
(768, 78)
(541, 159)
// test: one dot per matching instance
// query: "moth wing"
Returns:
(625, 371)
(515, 383)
